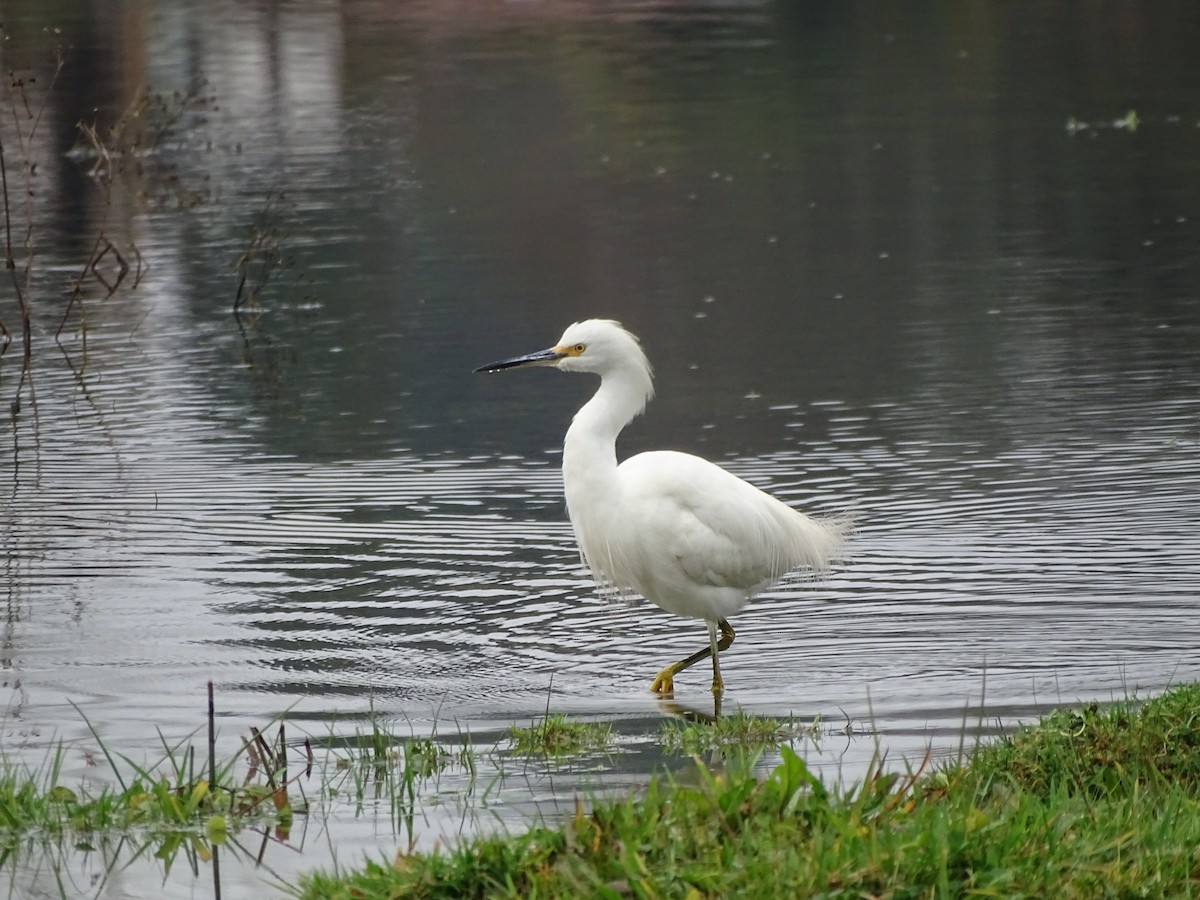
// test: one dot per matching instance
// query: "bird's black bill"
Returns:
(541, 358)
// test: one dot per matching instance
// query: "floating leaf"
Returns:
(62, 794)
(216, 829)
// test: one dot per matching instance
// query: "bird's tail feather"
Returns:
(822, 540)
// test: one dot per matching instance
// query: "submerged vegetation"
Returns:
(556, 735)
(179, 805)
(137, 156)
(739, 730)
(1084, 804)
(180, 794)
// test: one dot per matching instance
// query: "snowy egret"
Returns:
(685, 534)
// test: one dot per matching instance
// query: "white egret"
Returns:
(676, 529)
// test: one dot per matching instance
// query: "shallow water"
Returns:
(873, 266)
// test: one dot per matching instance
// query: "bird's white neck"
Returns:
(590, 449)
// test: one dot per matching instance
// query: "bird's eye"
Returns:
(579, 348)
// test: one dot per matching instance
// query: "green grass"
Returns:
(1097, 751)
(556, 735)
(1097, 803)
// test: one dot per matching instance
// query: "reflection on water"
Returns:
(870, 265)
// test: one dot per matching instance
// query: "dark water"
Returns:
(919, 261)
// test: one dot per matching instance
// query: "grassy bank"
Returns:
(1088, 803)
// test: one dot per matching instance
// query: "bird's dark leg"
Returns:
(718, 685)
(665, 682)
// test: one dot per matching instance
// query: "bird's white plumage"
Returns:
(676, 529)
(707, 541)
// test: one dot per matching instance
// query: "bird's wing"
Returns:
(718, 530)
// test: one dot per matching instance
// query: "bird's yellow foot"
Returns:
(718, 686)
(665, 682)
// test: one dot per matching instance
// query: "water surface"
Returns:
(919, 265)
